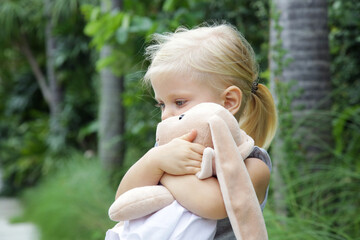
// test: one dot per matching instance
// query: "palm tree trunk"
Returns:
(111, 112)
(57, 130)
(301, 30)
(305, 37)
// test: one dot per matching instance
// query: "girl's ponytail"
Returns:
(259, 118)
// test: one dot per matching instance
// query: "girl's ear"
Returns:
(232, 99)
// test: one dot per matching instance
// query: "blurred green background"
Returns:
(74, 115)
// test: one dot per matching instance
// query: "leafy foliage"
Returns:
(22, 154)
(320, 205)
(344, 48)
(74, 199)
(24, 138)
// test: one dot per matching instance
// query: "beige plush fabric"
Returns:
(227, 147)
(140, 202)
(239, 195)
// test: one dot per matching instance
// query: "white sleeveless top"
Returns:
(171, 222)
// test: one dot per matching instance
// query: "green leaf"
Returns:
(169, 5)
(105, 62)
(89, 129)
(86, 10)
(126, 19)
(92, 28)
(340, 125)
(121, 35)
(140, 24)
(95, 13)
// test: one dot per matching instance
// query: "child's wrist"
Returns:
(154, 161)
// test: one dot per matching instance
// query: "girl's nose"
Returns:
(166, 114)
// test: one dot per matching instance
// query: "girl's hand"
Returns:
(180, 156)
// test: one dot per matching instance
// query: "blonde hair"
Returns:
(218, 54)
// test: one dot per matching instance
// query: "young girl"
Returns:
(188, 67)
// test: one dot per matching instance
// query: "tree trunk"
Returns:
(39, 76)
(57, 130)
(111, 112)
(305, 37)
(303, 34)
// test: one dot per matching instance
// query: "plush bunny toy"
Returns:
(226, 148)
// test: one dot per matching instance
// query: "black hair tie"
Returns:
(254, 86)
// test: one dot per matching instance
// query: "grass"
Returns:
(72, 203)
(323, 205)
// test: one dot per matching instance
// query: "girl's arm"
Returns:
(259, 174)
(145, 172)
(185, 159)
(203, 197)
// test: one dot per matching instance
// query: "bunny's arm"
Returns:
(139, 202)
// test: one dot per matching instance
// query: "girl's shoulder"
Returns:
(261, 154)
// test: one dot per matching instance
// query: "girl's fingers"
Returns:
(192, 170)
(194, 156)
(189, 136)
(198, 148)
(194, 163)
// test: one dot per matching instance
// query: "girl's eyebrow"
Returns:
(172, 95)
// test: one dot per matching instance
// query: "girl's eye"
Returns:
(180, 102)
(160, 105)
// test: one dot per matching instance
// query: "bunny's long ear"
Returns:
(239, 196)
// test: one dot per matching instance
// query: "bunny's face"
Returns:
(195, 118)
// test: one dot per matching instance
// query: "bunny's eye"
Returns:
(181, 116)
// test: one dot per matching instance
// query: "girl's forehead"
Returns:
(189, 77)
(173, 78)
